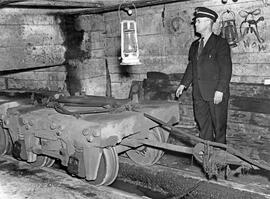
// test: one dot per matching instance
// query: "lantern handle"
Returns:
(126, 2)
(228, 12)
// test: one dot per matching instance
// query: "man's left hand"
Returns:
(218, 97)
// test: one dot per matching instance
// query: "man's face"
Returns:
(202, 24)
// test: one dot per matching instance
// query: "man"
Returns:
(209, 70)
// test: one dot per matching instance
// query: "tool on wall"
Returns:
(129, 41)
(228, 27)
(250, 24)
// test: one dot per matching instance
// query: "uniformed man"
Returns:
(209, 70)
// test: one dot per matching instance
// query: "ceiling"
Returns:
(87, 6)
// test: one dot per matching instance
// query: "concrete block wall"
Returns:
(32, 44)
(32, 51)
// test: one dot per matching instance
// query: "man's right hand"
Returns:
(179, 90)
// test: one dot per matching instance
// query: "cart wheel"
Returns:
(40, 162)
(5, 142)
(148, 155)
(49, 162)
(108, 167)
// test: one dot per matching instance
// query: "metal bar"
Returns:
(228, 149)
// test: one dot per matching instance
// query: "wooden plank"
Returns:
(249, 104)
(118, 88)
(31, 57)
(91, 23)
(250, 139)
(94, 86)
(153, 45)
(257, 105)
(30, 35)
(249, 79)
(234, 116)
(97, 53)
(150, 24)
(3, 84)
(42, 76)
(236, 89)
(149, 63)
(122, 78)
(32, 84)
(258, 69)
(58, 3)
(87, 69)
(112, 46)
(137, 3)
(12, 17)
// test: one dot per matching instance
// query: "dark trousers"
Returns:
(211, 118)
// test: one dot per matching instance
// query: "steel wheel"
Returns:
(5, 142)
(148, 155)
(49, 162)
(40, 161)
(108, 167)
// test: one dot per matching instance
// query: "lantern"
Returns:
(129, 41)
(228, 28)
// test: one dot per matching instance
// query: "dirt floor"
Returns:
(186, 180)
(20, 181)
(173, 177)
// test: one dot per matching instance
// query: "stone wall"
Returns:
(164, 37)
(32, 51)
(165, 34)
(32, 44)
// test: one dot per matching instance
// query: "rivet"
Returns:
(24, 121)
(31, 123)
(96, 133)
(61, 128)
(6, 122)
(53, 126)
(85, 132)
(90, 139)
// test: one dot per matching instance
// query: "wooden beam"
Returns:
(138, 4)
(52, 4)
(6, 2)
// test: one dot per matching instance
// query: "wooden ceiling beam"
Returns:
(137, 3)
(82, 7)
(52, 4)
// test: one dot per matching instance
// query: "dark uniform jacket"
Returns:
(211, 71)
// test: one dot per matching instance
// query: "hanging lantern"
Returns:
(228, 28)
(129, 41)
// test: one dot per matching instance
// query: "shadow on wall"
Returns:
(73, 39)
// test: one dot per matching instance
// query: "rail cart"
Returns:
(87, 134)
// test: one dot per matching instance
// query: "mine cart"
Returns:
(87, 134)
(84, 133)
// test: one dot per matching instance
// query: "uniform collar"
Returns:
(206, 38)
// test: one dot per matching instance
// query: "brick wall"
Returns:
(165, 34)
